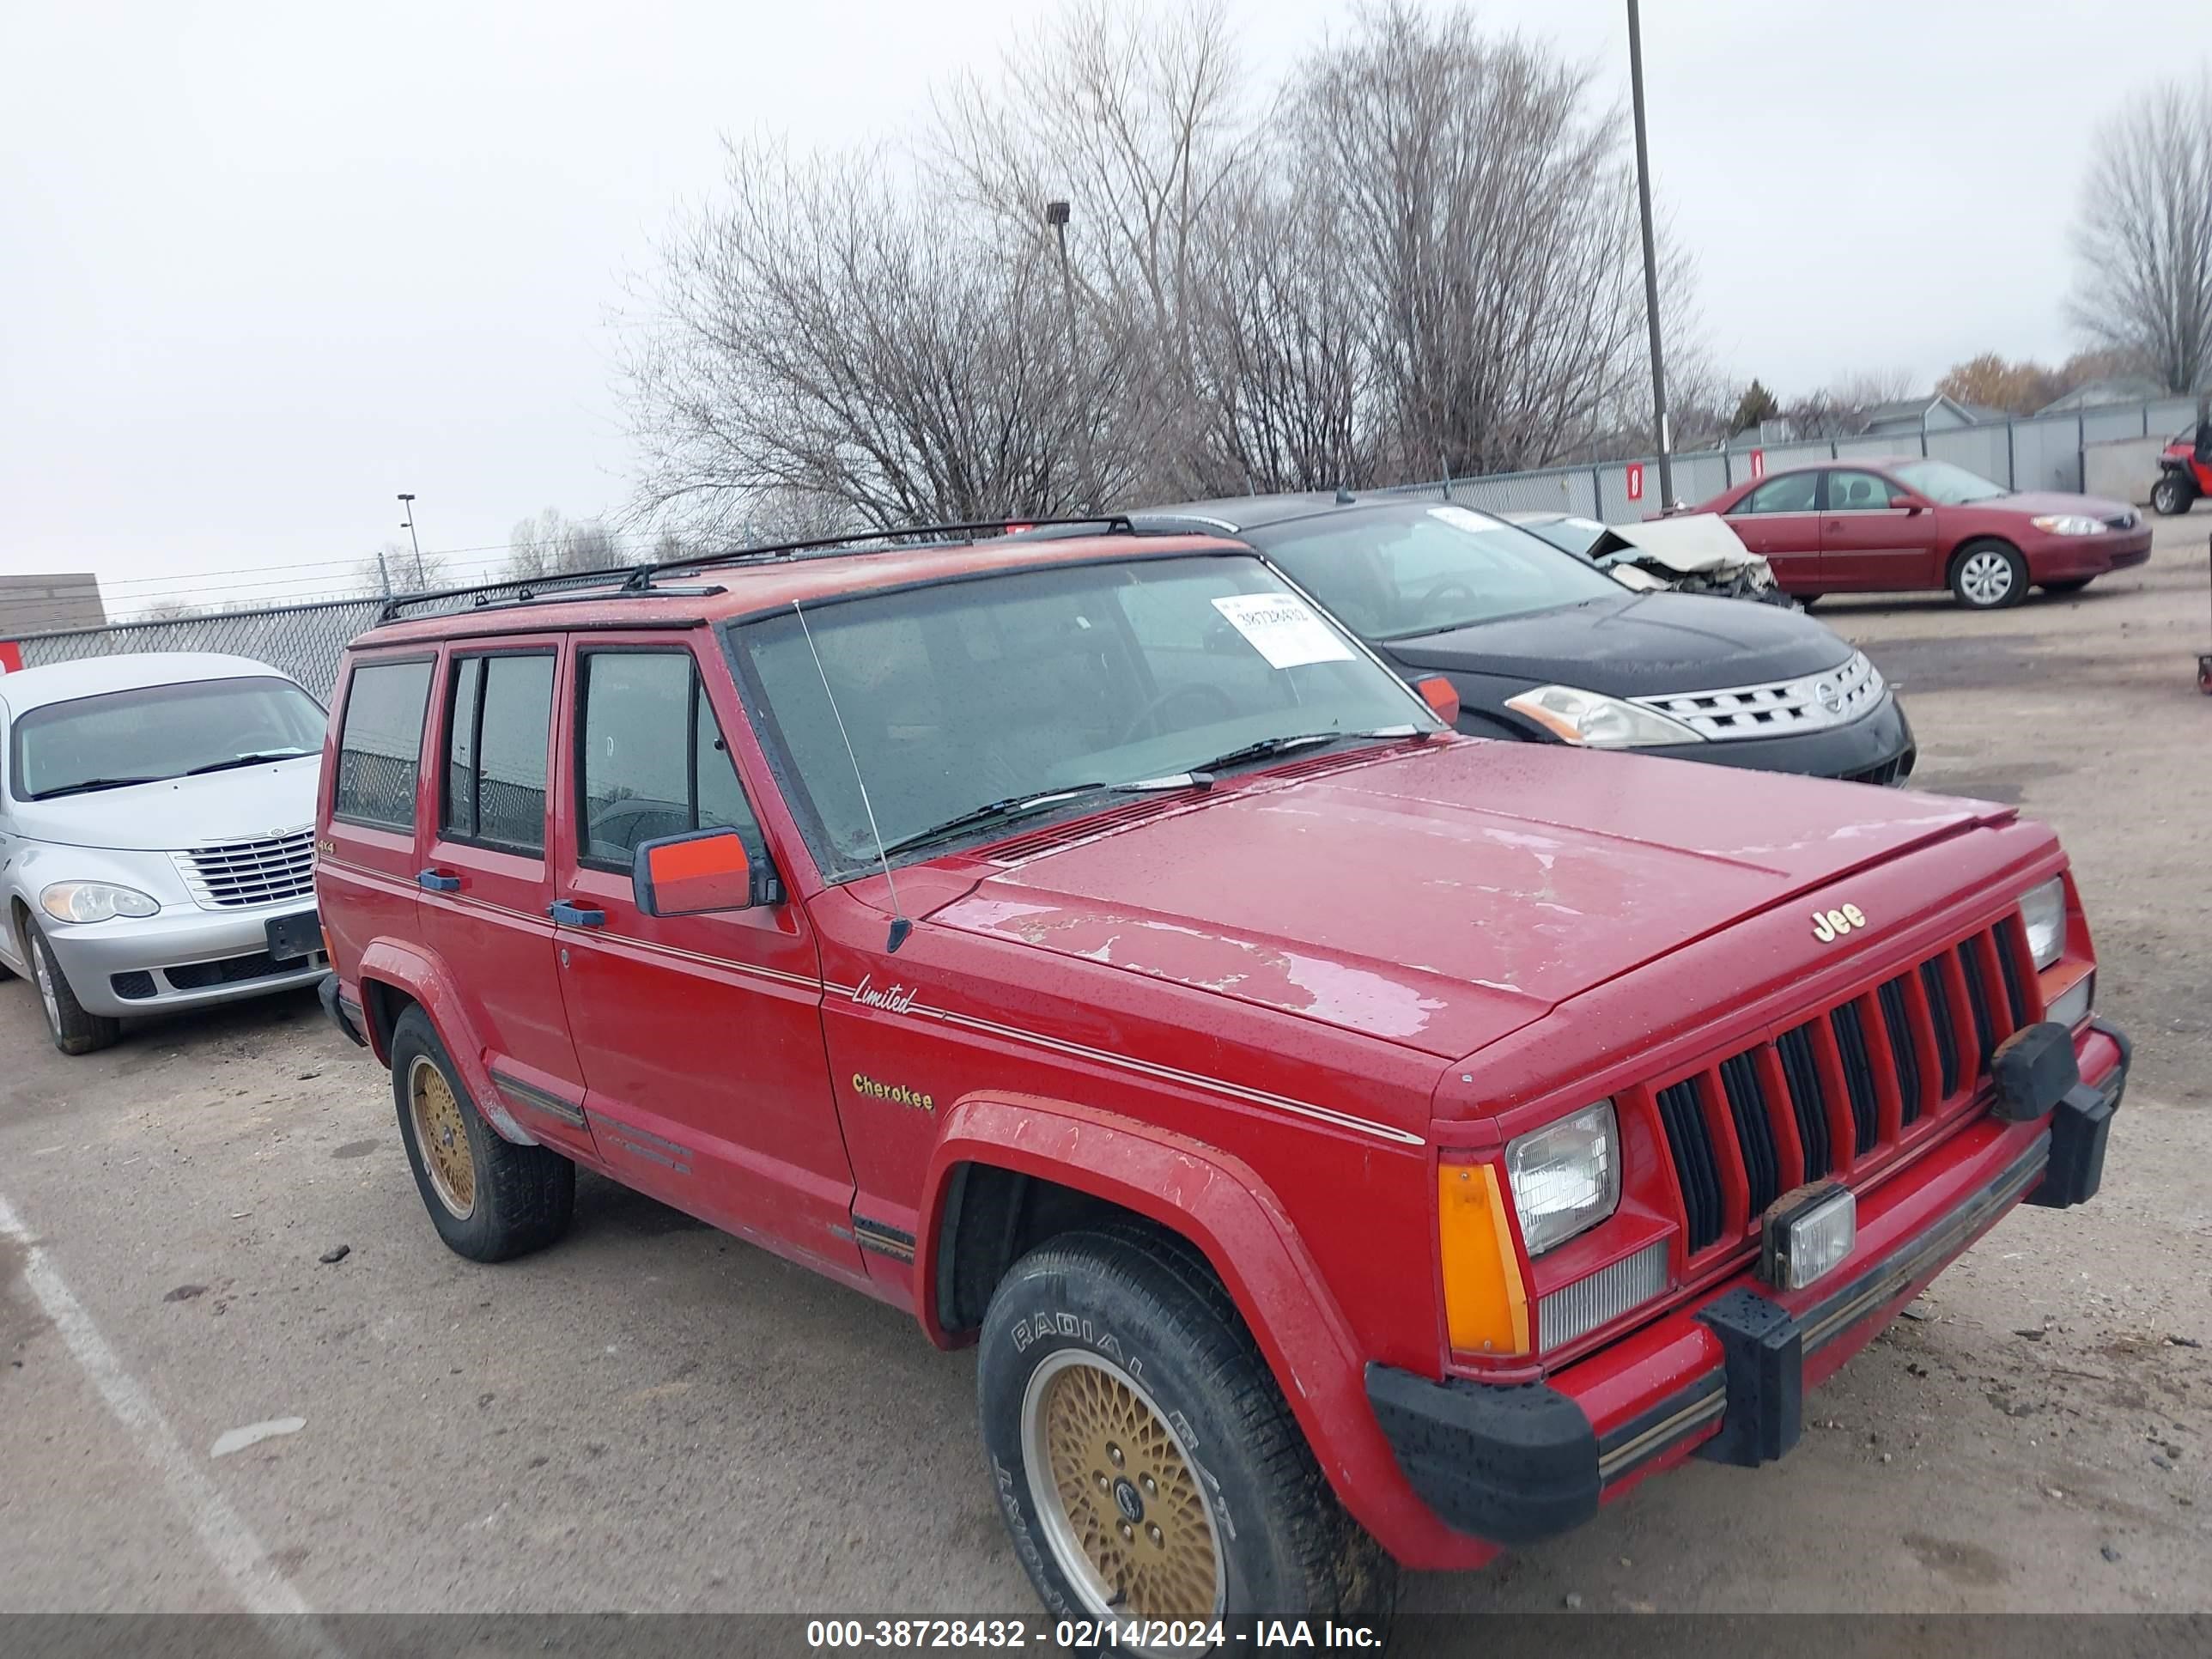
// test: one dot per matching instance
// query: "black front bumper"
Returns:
(346, 1016)
(1875, 748)
(1513, 1465)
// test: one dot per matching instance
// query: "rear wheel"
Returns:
(73, 1029)
(1144, 1461)
(2171, 494)
(489, 1199)
(1988, 575)
(2071, 584)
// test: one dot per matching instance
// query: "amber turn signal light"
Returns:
(1486, 1302)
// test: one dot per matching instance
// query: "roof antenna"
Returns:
(899, 925)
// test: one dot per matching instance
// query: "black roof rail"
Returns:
(622, 581)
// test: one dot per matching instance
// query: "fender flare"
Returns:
(424, 978)
(1215, 1200)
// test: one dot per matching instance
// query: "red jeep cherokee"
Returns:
(1347, 1142)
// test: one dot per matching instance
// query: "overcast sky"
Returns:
(264, 266)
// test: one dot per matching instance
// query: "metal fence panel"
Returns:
(1697, 478)
(303, 640)
(2104, 425)
(1886, 446)
(1980, 449)
(2169, 416)
(2047, 454)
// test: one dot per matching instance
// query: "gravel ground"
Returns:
(656, 1417)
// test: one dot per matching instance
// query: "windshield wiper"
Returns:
(1265, 748)
(88, 786)
(1014, 807)
(247, 760)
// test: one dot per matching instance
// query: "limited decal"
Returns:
(893, 999)
(1283, 628)
(1829, 926)
(896, 1092)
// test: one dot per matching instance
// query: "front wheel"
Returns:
(73, 1029)
(1144, 1459)
(489, 1199)
(2171, 494)
(1988, 576)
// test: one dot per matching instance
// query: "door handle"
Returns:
(574, 915)
(437, 881)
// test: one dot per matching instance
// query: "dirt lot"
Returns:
(656, 1417)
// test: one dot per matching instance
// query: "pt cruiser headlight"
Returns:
(1596, 721)
(1565, 1176)
(2043, 910)
(93, 901)
(2067, 524)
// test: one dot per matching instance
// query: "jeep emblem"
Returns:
(1829, 926)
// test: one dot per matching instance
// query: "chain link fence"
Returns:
(305, 640)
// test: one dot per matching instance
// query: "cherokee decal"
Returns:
(898, 1093)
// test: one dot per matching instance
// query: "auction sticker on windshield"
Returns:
(1283, 630)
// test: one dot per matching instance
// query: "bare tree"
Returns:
(826, 333)
(1492, 224)
(406, 571)
(553, 546)
(2143, 235)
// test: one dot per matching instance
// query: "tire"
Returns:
(73, 1029)
(2171, 496)
(1124, 1333)
(1989, 575)
(2071, 584)
(490, 1200)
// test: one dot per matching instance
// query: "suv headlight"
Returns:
(1565, 1176)
(2067, 524)
(93, 901)
(1596, 721)
(2043, 911)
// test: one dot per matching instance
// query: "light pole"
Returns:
(1651, 260)
(407, 524)
(1056, 214)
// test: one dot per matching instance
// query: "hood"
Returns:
(1691, 545)
(1442, 896)
(249, 804)
(1638, 645)
(2041, 501)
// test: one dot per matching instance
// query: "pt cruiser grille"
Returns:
(245, 872)
(1835, 696)
(1840, 1088)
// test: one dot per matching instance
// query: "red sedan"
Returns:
(1891, 526)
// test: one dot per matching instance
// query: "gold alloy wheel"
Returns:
(1120, 1503)
(442, 1136)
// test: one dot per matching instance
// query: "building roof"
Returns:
(2116, 389)
(745, 586)
(88, 677)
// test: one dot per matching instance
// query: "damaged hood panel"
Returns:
(1441, 897)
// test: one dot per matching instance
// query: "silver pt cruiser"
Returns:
(156, 836)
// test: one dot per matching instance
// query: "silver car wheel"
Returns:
(44, 975)
(1986, 578)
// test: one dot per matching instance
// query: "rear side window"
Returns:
(380, 744)
(653, 761)
(498, 727)
(1790, 493)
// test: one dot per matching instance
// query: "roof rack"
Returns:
(635, 582)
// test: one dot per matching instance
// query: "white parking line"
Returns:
(260, 1587)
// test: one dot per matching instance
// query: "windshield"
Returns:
(965, 694)
(155, 732)
(1947, 485)
(1394, 572)
(1569, 535)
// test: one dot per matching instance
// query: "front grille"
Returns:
(240, 873)
(1840, 1047)
(1691, 1142)
(1575, 1310)
(1888, 775)
(1811, 702)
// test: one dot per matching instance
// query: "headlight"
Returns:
(2068, 524)
(1565, 1176)
(2044, 911)
(1599, 722)
(93, 901)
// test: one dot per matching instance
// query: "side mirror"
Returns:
(703, 872)
(1442, 697)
